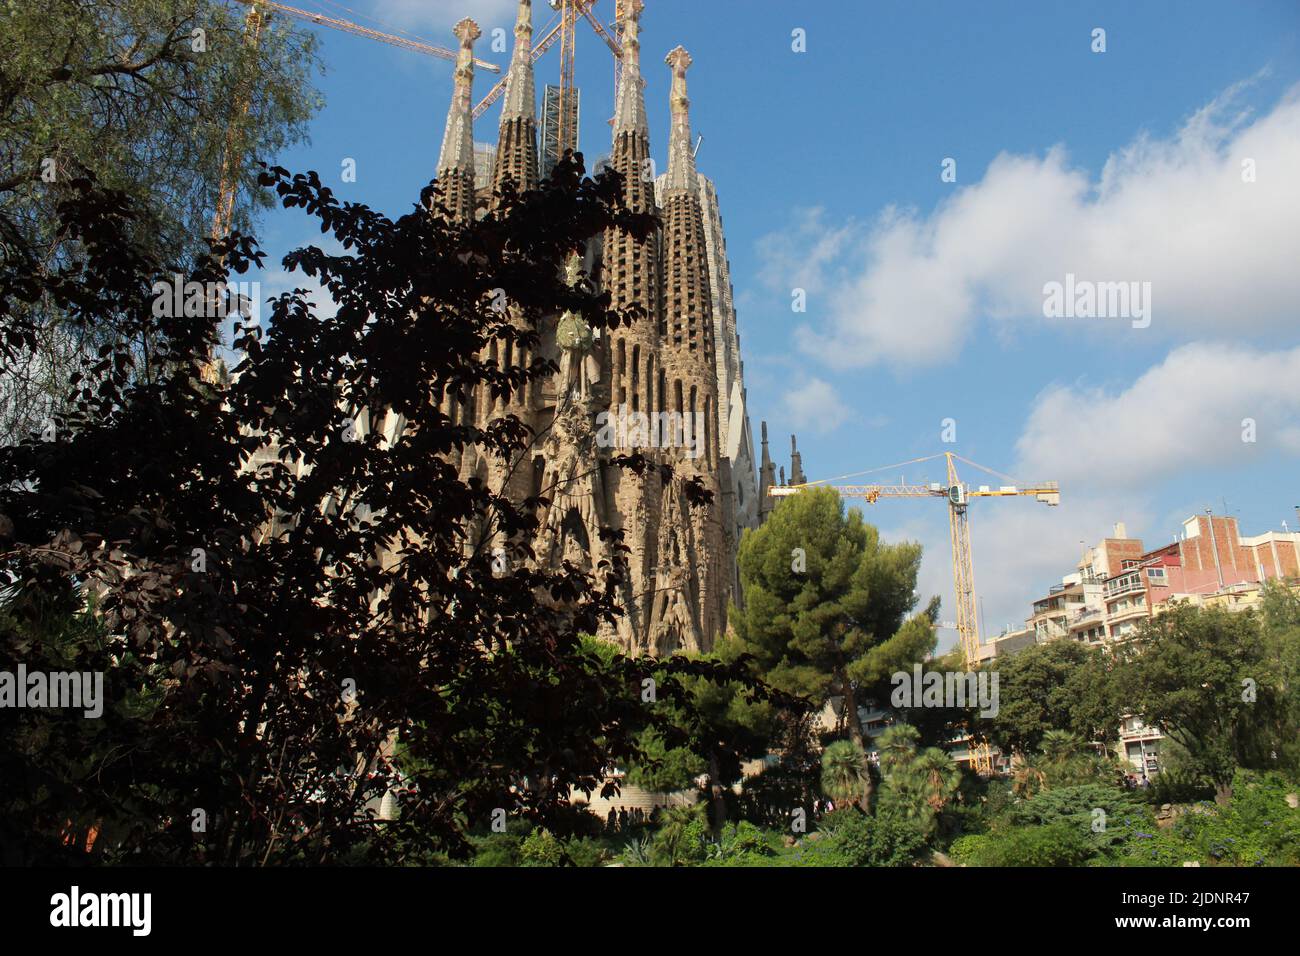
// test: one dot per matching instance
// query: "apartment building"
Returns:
(1118, 584)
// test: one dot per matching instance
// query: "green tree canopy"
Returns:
(147, 97)
(827, 602)
(844, 770)
(1060, 685)
(1280, 620)
(1205, 677)
(264, 671)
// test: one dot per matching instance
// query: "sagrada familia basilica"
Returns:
(669, 386)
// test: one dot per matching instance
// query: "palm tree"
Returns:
(1067, 761)
(1059, 746)
(937, 777)
(845, 775)
(675, 830)
(897, 747)
(1027, 777)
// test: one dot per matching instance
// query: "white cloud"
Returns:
(1019, 548)
(801, 256)
(1111, 449)
(1184, 413)
(908, 289)
(815, 405)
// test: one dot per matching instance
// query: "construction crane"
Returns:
(958, 495)
(252, 33)
(348, 27)
(564, 31)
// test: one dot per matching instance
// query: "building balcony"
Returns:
(1126, 614)
(1123, 585)
(1050, 628)
(1084, 615)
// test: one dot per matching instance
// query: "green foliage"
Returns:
(524, 844)
(862, 840)
(1258, 828)
(1206, 678)
(1074, 805)
(1121, 828)
(1060, 844)
(492, 849)
(931, 780)
(769, 796)
(844, 771)
(1179, 780)
(636, 852)
(541, 848)
(743, 844)
(897, 747)
(1280, 626)
(663, 769)
(813, 630)
(918, 785)
(588, 851)
(1065, 761)
(682, 838)
(1060, 685)
(709, 724)
(114, 89)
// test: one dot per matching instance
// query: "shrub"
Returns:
(744, 844)
(1060, 844)
(1072, 805)
(873, 841)
(541, 848)
(498, 849)
(1257, 829)
(969, 849)
(587, 851)
(682, 838)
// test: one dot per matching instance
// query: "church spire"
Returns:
(629, 115)
(630, 267)
(458, 140)
(688, 334)
(766, 480)
(521, 95)
(456, 163)
(681, 159)
(516, 157)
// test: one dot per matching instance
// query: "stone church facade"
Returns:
(669, 386)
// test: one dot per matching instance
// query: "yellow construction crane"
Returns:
(252, 32)
(958, 495)
(346, 26)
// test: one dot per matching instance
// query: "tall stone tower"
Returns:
(691, 545)
(456, 162)
(668, 385)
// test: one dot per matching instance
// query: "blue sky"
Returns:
(924, 297)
